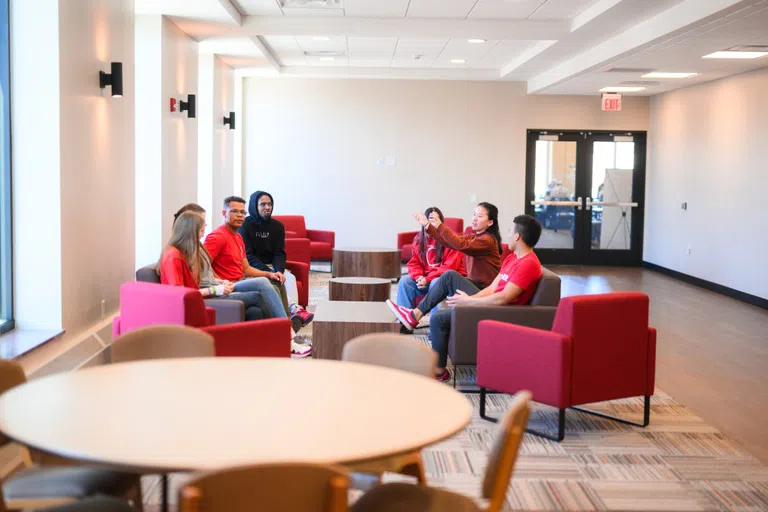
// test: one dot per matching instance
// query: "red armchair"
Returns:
(298, 253)
(600, 348)
(143, 304)
(321, 243)
(405, 240)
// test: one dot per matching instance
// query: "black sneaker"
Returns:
(296, 322)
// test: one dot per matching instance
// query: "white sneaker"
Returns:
(300, 350)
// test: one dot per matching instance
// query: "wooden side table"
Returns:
(366, 289)
(366, 262)
(338, 322)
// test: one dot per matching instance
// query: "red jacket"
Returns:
(484, 260)
(452, 260)
(174, 270)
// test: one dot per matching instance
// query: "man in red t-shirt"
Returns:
(515, 284)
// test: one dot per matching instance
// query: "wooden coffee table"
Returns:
(368, 289)
(366, 262)
(337, 322)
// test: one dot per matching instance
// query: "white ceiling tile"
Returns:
(562, 9)
(286, 50)
(426, 49)
(300, 12)
(260, 7)
(504, 9)
(334, 44)
(375, 8)
(502, 54)
(337, 62)
(440, 8)
(460, 49)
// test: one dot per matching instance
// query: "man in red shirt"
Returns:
(515, 284)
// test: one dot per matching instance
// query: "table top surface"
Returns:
(366, 249)
(354, 312)
(207, 413)
(360, 280)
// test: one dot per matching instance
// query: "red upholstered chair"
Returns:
(600, 348)
(321, 243)
(405, 240)
(297, 250)
(143, 304)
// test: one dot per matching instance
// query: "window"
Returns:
(6, 284)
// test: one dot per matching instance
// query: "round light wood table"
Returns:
(370, 289)
(366, 262)
(163, 416)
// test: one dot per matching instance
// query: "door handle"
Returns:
(578, 200)
(589, 203)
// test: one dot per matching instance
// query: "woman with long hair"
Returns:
(429, 260)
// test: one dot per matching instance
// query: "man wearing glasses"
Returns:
(265, 248)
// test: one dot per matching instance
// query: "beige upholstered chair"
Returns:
(412, 498)
(402, 353)
(275, 487)
(37, 487)
(162, 342)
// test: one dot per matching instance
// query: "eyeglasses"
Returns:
(265, 205)
(237, 212)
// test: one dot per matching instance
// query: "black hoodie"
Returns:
(264, 238)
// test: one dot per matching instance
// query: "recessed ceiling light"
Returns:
(728, 54)
(327, 58)
(321, 38)
(661, 74)
(476, 41)
(458, 61)
(621, 89)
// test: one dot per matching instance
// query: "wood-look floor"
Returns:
(712, 351)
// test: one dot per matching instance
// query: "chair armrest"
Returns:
(227, 311)
(210, 314)
(405, 238)
(301, 271)
(651, 379)
(319, 235)
(297, 249)
(260, 338)
(512, 357)
(462, 344)
(291, 234)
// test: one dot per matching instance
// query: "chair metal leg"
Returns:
(164, 492)
(646, 414)
(455, 375)
(560, 429)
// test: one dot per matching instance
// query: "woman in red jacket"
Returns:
(429, 261)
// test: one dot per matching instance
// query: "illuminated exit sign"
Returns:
(611, 101)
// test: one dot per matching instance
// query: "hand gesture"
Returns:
(422, 283)
(279, 276)
(459, 298)
(421, 219)
(228, 287)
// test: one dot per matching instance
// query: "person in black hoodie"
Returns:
(264, 239)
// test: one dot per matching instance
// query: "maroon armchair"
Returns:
(143, 304)
(321, 243)
(600, 348)
(405, 240)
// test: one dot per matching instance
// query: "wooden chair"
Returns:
(294, 487)
(162, 342)
(402, 353)
(402, 497)
(36, 487)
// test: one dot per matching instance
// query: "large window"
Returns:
(6, 284)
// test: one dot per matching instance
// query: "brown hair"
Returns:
(185, 238)
(189, 207)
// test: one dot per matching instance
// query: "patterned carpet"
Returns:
(676, 463)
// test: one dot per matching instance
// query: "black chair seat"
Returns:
(76, 482)
(98, 504)
(412, 498)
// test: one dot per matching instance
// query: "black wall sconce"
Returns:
(230, 120)
(113, 79)
(188, 106)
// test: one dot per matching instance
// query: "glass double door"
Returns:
(587, 189)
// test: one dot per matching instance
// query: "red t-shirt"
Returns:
(227, 251)
(174, 270)
(525, 272)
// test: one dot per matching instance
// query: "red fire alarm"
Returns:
(173, 104)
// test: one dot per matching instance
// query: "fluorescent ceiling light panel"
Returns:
(476, 41)
(662, 74)
(327, 58)
(621, 89)
(458, 61)
(321, 38)
(735, 55)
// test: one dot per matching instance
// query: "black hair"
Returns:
(493, 214)
(423, 237)
(233, 199)
(528, 228)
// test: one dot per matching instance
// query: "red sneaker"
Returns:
(405, 315)
(306, 316)
(444, 377)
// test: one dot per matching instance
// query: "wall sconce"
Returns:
(230, 120)
(113, 79)
(188, 106)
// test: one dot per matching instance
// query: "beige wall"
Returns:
(315, 145)
(708, 147)
(223, 137)
(179, 152)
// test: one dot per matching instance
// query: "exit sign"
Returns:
(611, 102)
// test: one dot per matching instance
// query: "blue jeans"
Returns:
(407, 291)
(270, 300)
